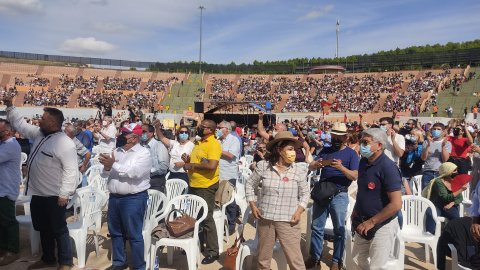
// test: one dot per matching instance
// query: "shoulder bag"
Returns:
(232, 253)
(181, 225)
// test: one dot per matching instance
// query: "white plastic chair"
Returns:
(466, 201)
(155, 200)
(455, 264)
(249, 248)
(248, 160)
(416, 185)
(24, 159)
(192, 205)
(96, 150)
(221, 222)
(94, 161)
(244, 171)
(414, 223)
(328, 225)
(240, 197)
(99, 183)
(93, 171)
(395, 260)
(175, 187)
(25, 221)
(91, 201)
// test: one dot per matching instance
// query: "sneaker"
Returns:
(41, 264)
(65, 267)
(9, 258)
(310, 263)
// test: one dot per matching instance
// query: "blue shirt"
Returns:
(82, 136)
(374, 180)
(229, 167)
(324, 137)
(90, 146)
(349, 159)
(10, 158)
(240, 141)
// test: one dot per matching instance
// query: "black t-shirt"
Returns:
(257, 158)
(24, 145)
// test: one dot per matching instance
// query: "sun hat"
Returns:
(446, 169)
(283, 136)
(339, 129)
(133, 128)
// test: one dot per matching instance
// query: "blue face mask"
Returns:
(365, 151)
(219, 133)
(436, 133)
(144, 137)
(183, 136)
(384, 128)
(413, 139)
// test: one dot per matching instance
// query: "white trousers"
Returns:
(378, 249)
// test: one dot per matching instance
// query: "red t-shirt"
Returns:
(460, 147)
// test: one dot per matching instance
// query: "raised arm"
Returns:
(159, 134)
(261, 128)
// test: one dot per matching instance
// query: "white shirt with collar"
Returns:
(131, 173)
(110, 131)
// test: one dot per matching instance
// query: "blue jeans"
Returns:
(125, 221)
(337, 209)
(49, 219)
(450, 214)
(426, 178)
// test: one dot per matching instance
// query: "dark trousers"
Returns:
(158, 182)
(451, 213)
(209, 236)
(177, 175)
(232, 210)
(9, 237)
(463, 164)
(49, 219)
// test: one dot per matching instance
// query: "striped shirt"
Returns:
(281, 193)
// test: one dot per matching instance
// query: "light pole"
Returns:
(200, 60)
(336, 49)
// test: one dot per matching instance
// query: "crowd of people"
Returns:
(10, 91)
(56, 97)
(78, 82)
(123, 84)
(92, 99)
(159, 85)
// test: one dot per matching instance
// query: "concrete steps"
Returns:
(40, 70)
(72, 102)
(80, 72)
(181, 97)
(5, 80)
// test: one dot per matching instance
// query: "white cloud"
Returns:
(316, 13)
(106, 27)
(19, 7)
(99, 2)
(86, 46)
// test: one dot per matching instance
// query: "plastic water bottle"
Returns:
(149, 201)
(156, 267)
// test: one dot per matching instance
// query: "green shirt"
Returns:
(441, 196)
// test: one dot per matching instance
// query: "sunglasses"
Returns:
(183, 132)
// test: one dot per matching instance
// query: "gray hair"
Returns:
(377, 135)
(72, 129)
(108, 118)
(227, 125)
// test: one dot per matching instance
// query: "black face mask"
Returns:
(337, 144)
(453, 175)
(121, 141)
(407, 128)
(200, 132)
(456, 131)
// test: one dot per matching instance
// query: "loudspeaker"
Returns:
(199, 107)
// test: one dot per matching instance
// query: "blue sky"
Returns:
(240, 31)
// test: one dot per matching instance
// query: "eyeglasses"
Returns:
(183, 132)
(382, 125)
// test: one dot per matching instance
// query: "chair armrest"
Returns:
(454, 257)
(24, 199)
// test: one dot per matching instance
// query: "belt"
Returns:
(157, 175)
(457, 157)
(125, 195)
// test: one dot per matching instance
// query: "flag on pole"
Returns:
(325, 104)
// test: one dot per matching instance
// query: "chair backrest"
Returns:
(192, 205)
(96, 150)
(416, 185)
(100, 183)
(94, 161)
(24, 159)
(93, 170)
(155, 200)
(466, 193)
(175, 187)
(90, 200)
(248, 160)
(244, 171)
(414, 210)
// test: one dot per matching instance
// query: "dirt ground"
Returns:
(414, 253)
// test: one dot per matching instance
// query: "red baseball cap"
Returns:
(133, 128)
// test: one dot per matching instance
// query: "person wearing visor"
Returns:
(461, 143)
(128, 171)
(436, 150)
(342, 170)
(182, 145)
(285, 196)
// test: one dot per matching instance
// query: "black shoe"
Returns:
(310, 263)
(210, 259)
(231, 231)
(117, 267)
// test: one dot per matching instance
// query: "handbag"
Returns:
(181, 225)
(323, 192)
(232, 253)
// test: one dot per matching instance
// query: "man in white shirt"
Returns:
(396, 142)
(128, 171)
(51, 178)
(107, 135)
(159, 155)
(229, 165)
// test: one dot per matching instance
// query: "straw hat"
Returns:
(283, 136)
(339, 129)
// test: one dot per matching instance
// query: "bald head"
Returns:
(280, 127)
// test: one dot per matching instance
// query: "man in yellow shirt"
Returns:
(203, 174)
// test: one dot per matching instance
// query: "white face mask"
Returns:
(274, 133)
(104, 123)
